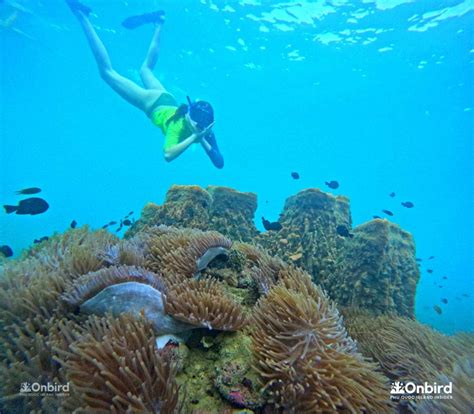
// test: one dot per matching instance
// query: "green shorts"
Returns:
(165, 99)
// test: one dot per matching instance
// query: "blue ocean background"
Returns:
(376, 94)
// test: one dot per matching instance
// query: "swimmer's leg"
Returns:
(131, 92)
(146, 71)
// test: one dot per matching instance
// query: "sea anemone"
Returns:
(204, 303)
(114, 366)
(306, 361)
(183, 252)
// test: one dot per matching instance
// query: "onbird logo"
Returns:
(397, 388)
(25, 387)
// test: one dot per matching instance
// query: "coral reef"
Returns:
(308, 236)
(98, 305)
(406, 349)
(377, 270)
(305, 358)
(462, 377)
(216, 208)
(373, 268)
(114, 366)
(409, 351)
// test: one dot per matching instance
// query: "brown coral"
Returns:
(204, 303)
(115, 367)
(305, 359)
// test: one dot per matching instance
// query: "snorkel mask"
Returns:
(201, 112)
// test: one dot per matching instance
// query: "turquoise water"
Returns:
(377, 94)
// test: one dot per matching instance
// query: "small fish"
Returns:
(437, 309)
(273, 226)
(73, 224)
(112, 223)
(129, 214)
(343, 231)
(105, 226)
(465, 295)
(445, 277)
(32, 190)
(392, 194)
(429, 270)
(418, 259)
(127, 222)
(444, 300)
(376, 217)
(41, 239)
(440, 286)
(31, 206)
(431, 258)
(6, 251)
(120, 227)
(387, 212)
(408, 204)
(295, 175)
(332, 184)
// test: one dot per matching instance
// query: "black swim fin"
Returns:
(133, 22)
(76, 5)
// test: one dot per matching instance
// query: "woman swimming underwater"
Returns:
(182, 125)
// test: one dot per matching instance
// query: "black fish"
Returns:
(105, 226)
(431, 258)
(129, 214)
(376, 217)
(408, 204)
(295, 175)
(32, 190)
(36, 241)
(445, 277)
(387, 212)
(29, 206)
(275, 226)
(120, 227)
(392, 194)
(6, 251)
(418, 259)
(332, 184)
(111, 223)
(429, 270)
(445, 301)
(73, 224)
(437, 309)
(127, 222)
(343, 231)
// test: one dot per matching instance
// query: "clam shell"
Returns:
(135, 298)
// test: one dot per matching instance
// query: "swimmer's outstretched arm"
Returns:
(176, 150)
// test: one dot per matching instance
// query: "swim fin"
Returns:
(76, 5)
(133, 22)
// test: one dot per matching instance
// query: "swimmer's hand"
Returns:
(202, 134)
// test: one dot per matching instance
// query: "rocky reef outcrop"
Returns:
(215, 208)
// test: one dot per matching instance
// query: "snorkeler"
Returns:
(182, 125)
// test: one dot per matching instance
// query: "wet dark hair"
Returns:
(200, 112)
